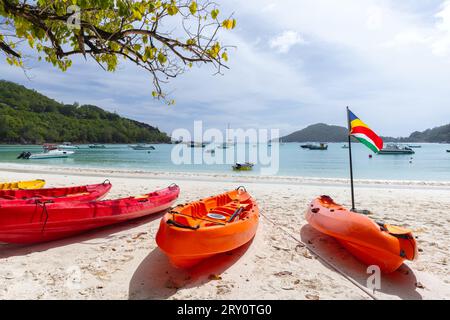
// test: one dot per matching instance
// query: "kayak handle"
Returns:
(179, 225)
(173, 185)
(241, 188)
(107, 181)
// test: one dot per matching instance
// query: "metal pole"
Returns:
(351, 162)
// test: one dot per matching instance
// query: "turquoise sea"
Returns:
(431, 162)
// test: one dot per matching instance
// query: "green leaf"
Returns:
(162, 58)
(193, 7)
(214, 13)
(229, 24)
(225, 56)
(172, 9)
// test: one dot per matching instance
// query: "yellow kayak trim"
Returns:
(32, 184)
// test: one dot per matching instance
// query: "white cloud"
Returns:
(441, 43)
(374, 18)
(285, 41)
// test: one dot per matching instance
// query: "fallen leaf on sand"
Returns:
(312, 297)
(214, 277)
(419, 285)
(287, 288)
(283, 273)
(280, 248)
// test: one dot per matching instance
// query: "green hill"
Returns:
(327, 133)
(27, 116)
(438, 134)
(319, 132)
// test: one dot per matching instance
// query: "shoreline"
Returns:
(218, 177)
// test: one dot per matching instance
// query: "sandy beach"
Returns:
(124, 262)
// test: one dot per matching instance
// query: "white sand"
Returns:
(123, 262)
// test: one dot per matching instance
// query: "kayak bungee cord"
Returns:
(44, 210)
(321, 258)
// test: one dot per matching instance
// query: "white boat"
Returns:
(51, 154)
(142, 146)
(97, 146)
(194, 144)
(396, 149)
(67, 146)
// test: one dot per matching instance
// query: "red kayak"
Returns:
(43, 221)
(79, 193)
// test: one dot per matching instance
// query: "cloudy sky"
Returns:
(297, 62)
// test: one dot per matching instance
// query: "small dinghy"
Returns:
(22, 185)
(370, 242)
(44, 221)
(198, 230)
(78, 193)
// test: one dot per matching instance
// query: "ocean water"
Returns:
(429, 163)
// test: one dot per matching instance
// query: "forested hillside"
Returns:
(27, 116)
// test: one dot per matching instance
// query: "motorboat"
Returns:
(50, 154)
(67, 146)
(396, 149)
(97, 146)
(142, 146)
(193, 144)
(322, 146)
(247, 166)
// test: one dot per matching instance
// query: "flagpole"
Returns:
(350, 156)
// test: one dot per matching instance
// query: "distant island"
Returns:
(321, 132)
(28, 117)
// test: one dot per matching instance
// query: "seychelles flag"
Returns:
(363, 133)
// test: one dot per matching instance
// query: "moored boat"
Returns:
(97, 146)
(373, 243)
(67, 146)
(50, 154)
(396, 149)
(321, 146)
(198, 230)
(22, 185)
(193, 144)
(247, 166)
(142, 147)
(39, 222)
(76, 193)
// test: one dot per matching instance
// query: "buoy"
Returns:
(370, 156)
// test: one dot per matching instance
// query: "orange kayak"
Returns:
(373, 243)
(198, 230)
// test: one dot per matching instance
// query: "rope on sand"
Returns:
(332, 266)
